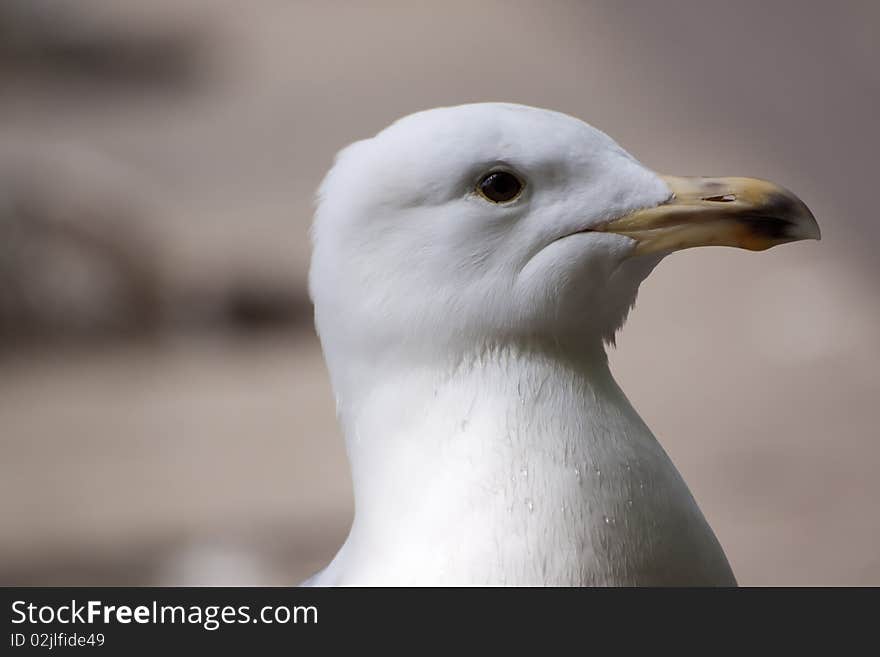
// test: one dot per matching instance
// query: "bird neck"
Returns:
(499, 398)
(514, 465)
(499, 439)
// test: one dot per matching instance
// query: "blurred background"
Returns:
(165, 415)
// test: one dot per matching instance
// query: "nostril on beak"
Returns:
(726, 198)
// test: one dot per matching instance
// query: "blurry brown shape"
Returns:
(84, 258)
(252, 304)
(58, 40)
(75, 261)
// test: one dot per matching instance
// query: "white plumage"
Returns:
(465, 340)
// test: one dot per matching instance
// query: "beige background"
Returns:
(204, 450)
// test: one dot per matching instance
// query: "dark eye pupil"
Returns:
(500, 186)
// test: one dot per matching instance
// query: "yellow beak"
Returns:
(742, 212)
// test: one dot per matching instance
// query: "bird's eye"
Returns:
(499, 186)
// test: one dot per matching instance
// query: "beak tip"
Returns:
(808, 228)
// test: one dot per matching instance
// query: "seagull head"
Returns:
(488, 223)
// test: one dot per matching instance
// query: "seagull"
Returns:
(470, 265)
